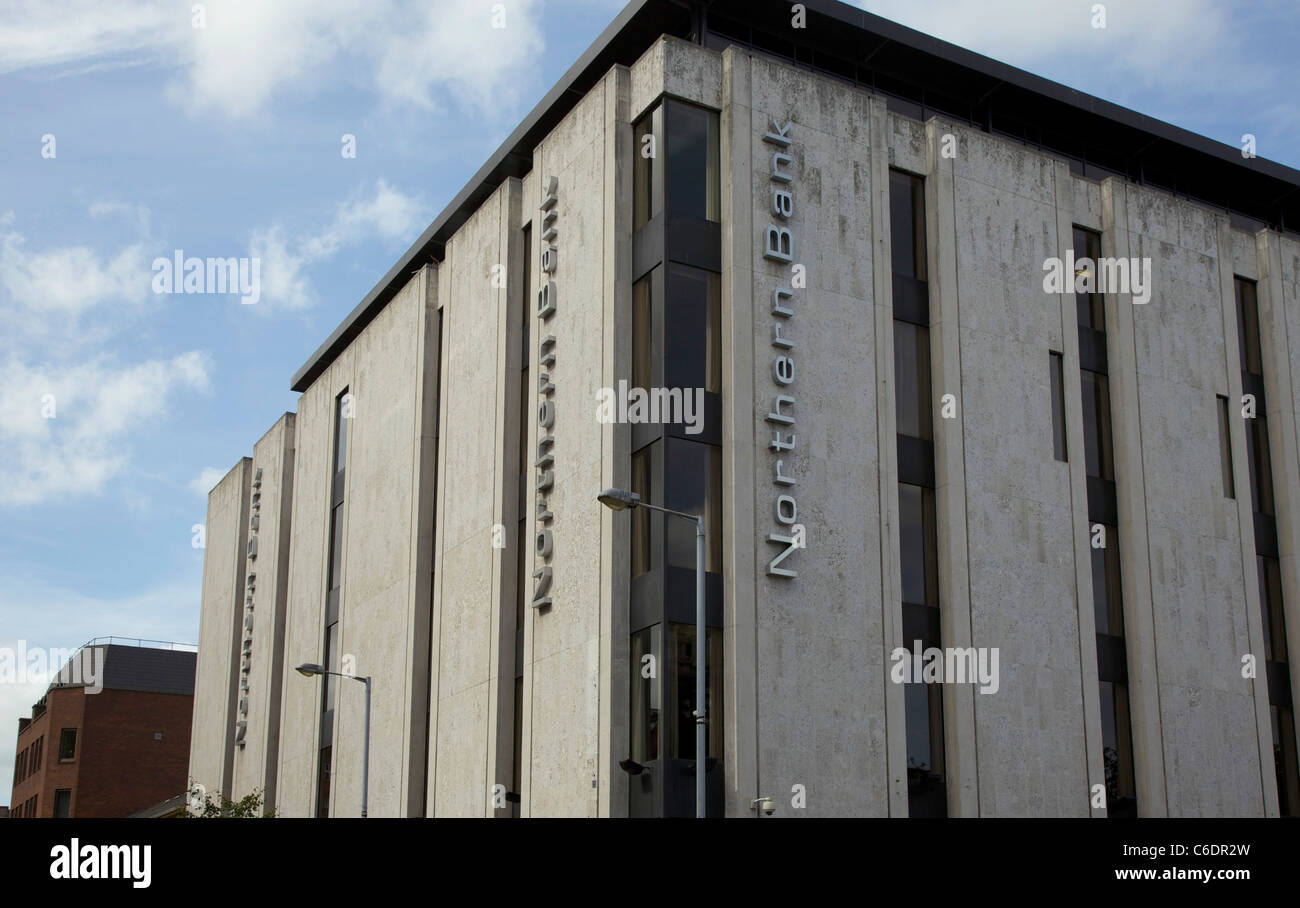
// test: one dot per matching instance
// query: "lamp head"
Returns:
(618, 499)
(307, 669)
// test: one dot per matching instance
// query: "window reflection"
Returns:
(907, 225)
(912, 379)
(642, 470)
(693, 329)
(1091, 307)
(916, 532)
(1097, 441)
(681, 691)
(692, 137)
(645, 694)
(693, 472)
(1056, 370)
(1107, 589)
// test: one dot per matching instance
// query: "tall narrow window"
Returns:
(676, 454)
(1056, 371)
(696, 470)
(645, 729)
(642, 464)
(1097, 447)
(1089, 304)
(523, 577)
(1107, 585)
(907, 224)
(642, 336)
(1225, 447)
(692, 187)
(62, 802)
(1271, 598)
(912, 380)
(647, 172)
(1261, 465)
(334, 573)
(918, 535)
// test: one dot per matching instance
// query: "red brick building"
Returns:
(113, 740)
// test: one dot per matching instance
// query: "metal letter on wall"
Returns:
(777, 242)
(246, 649)
(547, 301)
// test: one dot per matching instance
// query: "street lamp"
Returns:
(308, 669)
(623, 500)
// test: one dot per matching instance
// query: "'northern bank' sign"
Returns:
(778, 246)
(545, 463)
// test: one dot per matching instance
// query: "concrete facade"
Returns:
(811, 717)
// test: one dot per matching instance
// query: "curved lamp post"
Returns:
(308, 669)
(623, 500)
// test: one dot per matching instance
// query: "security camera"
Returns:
(764, 804)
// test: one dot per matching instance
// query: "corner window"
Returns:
(693, 329)
(696, 471)
(681, 691)
(647, 173)
(642, 470)
(692, 189)
(646, 660)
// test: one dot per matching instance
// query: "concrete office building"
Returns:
(833, 240)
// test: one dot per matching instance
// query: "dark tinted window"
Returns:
(912, 379)
(693, 329)
(642, 464)
(1107, 590)
(647, 174)
(1225, 446)
(1252, 359)
(1117, 748)
(1261, 466)
(692, 139)
(1096, 425)
(68, 744)
(1090, 307)
(916, 532)
(1057, 375)
(1270, 598)
(681, 691)
(695, 488)
(646, 660)
(907, 224)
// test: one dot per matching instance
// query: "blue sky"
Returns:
(225, 141)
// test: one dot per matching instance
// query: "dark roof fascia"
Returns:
(512, 158)
(635, 29)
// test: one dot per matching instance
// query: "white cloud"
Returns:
(96, 407)
(38, 33)
(68, 280)
(388, 214)
(407, 51)
(206, 480)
